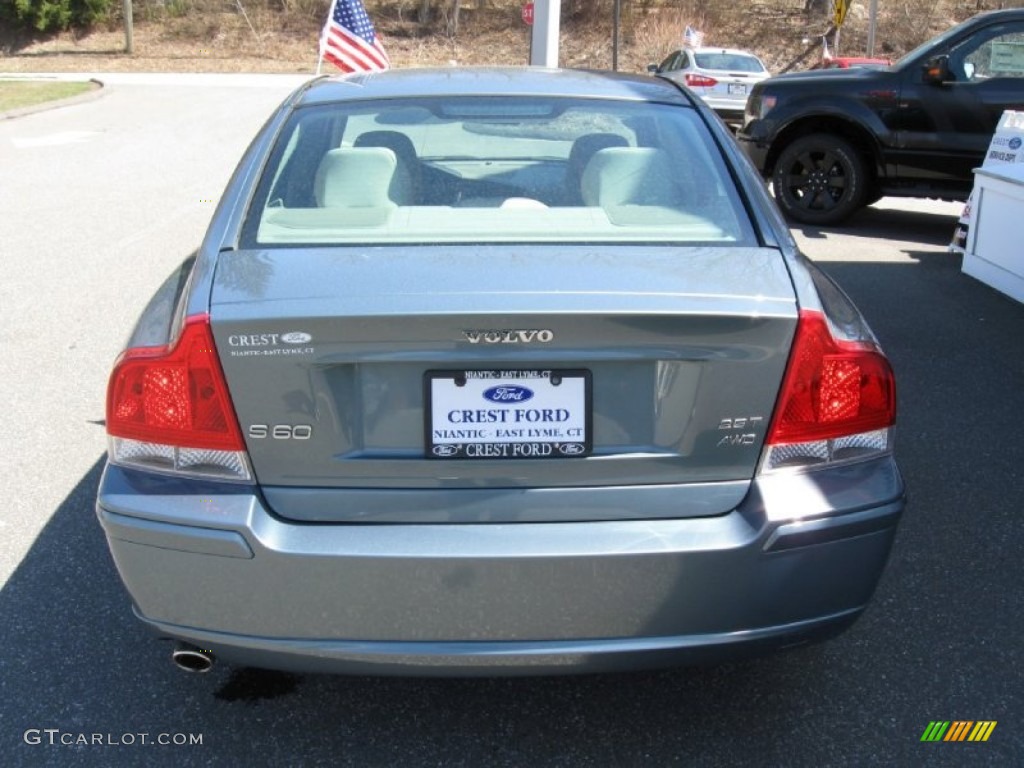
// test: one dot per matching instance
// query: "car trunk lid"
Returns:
(673, 355)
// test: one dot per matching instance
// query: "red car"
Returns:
(845, 62)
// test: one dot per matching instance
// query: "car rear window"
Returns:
(491, 170)
(734, 62)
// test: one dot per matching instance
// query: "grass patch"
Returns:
(15, 95)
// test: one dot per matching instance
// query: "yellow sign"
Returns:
(840, 7)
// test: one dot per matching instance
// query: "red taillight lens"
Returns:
(174, 395)
(832, 388)
(700, 81)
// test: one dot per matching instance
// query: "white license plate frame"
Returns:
(523, 413)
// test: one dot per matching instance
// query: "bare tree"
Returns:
(451, 13)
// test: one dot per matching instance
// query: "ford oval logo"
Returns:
(1015, 142)
(508, 393)
(445, 450)
(296, 337)
(571, 449)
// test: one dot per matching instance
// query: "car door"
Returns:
(948, 122)
(671, 66)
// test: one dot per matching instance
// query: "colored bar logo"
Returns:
(958, 730)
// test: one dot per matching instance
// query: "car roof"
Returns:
(488, 81)
(712, 49)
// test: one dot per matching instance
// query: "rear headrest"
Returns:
(579, 155)
(397, 142)
(586, 146)
(629, 176)
(404, 189)
(355, 177)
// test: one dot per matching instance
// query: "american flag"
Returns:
(348, 40)
(692, 38)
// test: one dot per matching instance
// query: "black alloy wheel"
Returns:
(819, 179)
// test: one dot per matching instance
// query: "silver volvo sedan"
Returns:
(497, 371)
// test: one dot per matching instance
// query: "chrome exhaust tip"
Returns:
(192, 659)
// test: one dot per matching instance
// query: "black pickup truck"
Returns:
(833, 141)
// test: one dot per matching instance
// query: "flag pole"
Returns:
(323, 37)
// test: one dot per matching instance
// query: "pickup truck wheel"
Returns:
(819, 179)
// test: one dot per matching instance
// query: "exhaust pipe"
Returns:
(192, 659)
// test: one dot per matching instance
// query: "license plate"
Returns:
(508, 414)
(737, 89)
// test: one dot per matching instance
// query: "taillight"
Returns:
(700, 81)
(838, 400)
(168, 409)
(760, 104)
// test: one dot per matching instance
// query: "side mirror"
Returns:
(936, 70)
(652, 68)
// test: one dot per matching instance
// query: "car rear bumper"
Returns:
(730, 113)
(492, 659)
(796, 561)
(730, 110)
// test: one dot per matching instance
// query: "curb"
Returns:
(90, 95)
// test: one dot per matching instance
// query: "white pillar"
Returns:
(126, 12)
(544, 39)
